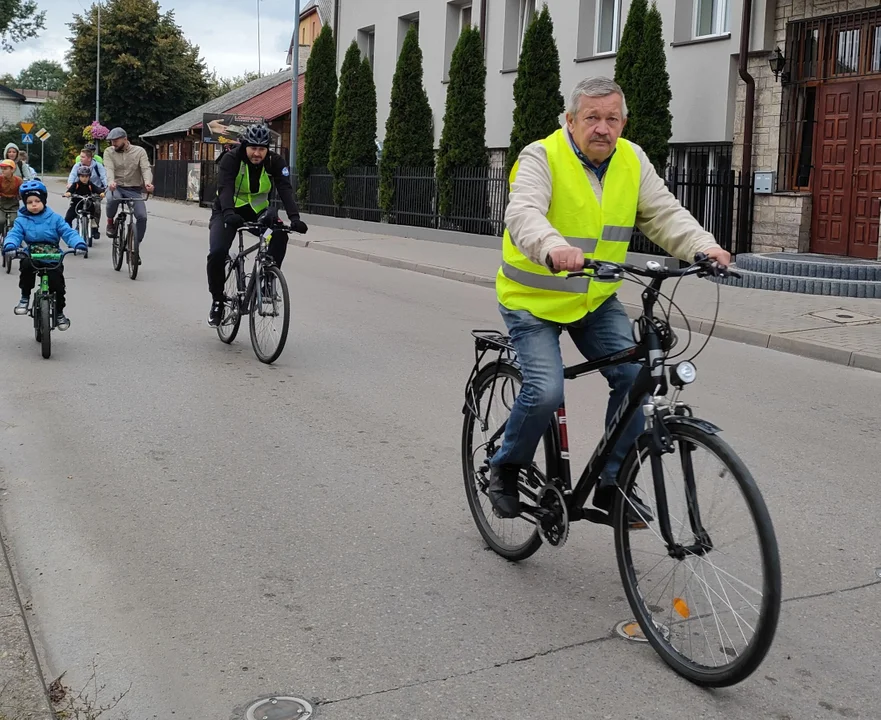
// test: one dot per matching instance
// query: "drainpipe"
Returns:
(152, 147)
(748, 112)
(483, 4)
(336, 30)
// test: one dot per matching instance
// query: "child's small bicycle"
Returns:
(43, 309)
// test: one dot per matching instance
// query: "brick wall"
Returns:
(10, 111)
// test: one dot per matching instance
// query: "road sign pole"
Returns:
(42, 155)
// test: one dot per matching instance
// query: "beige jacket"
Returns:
(658, 214)
(130, 168)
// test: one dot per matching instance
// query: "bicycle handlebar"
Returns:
(261, 226)
(59, 256)
(702, 266)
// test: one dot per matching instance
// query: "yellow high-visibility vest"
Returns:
(601, 231)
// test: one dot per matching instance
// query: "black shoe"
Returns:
(111, 229)
(637, 512)
(215, 316)
(62, 322)
(96, 233)
(504, 494)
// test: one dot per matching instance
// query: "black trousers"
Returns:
(220, 239)
(28, 275)
(70, 215)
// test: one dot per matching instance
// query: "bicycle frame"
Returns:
(238, 266)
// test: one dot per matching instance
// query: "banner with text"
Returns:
(225, 129)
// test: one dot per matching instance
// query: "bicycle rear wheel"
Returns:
(45, 327)
(712, 614)
(492, 394)
(232, 315)
(132, 254)
(118, 251)
(270, 313)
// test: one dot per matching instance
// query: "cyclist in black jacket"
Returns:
(245, 179)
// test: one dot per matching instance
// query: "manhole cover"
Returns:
(279, 708)
(842, 316)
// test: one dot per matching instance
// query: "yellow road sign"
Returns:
(41, 132)
(26, 126)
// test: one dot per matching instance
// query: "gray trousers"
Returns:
(140, 208)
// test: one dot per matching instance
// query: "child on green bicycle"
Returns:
(37, 224)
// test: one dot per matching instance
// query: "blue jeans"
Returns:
(606, 330)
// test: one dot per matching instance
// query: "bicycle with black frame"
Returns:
(688, 531)
(10, 221)
(85, 208)
(43, 309)
(126, 247)
(261, 294)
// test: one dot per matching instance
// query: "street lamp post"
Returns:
(259, 69)
(295, 94)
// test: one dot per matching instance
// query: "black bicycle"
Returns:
(126, 247)
(682, 567)
(85, 206)
(8, 257)
(43, 308)
(261, 294)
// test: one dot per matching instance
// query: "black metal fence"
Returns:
(479, 196)
(170, 179)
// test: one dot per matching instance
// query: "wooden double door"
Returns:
(847, 179)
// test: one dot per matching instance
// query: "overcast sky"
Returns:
(225, 31)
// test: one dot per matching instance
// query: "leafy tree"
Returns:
(354, 123)
(319, 102)
(409, 136)
(652, 121)
(218, 86)
(42, 75)
(537, 99)
(8, 80)
(19, 20)
(628, 55)
(462, 142)
(143, 84)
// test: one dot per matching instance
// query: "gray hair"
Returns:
(595, 87)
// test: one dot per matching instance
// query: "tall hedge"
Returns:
(462, 142)
(537, 99)
(652, 121)
(354, 123)
(629, 50)
(319, 101)
(409, 137)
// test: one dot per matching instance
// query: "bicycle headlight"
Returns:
(682, 374)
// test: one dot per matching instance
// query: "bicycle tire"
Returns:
(512, 552)
(132, 253)
(45, 327)
(84, 230)
(270, 271)
(229, 325)
(7, 262)
(744, 664)
(118, 252)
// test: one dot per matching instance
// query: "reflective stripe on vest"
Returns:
(601, 232)
(258, 201)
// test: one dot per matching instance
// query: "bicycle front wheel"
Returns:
(118, 252)
(710, 607)
(132, 254)
(45, 327)
(232, 315)
(270, 314)
(488, 406)
(7, 263)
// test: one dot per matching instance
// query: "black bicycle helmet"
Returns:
(256, 135)
(90, 147)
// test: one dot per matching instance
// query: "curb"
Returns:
(735, 333)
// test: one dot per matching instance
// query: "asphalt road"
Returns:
(209, 530)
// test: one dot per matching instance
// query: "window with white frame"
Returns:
(366, 42)
(608, 26)
(711, 17)
(464, 17)
(527, 10)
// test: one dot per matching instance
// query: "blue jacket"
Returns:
(99, 174)
(45, 227)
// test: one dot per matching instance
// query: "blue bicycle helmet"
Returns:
(33, 187)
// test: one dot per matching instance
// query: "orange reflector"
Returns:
(680, 606)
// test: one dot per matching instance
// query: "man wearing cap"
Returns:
(128, 175)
